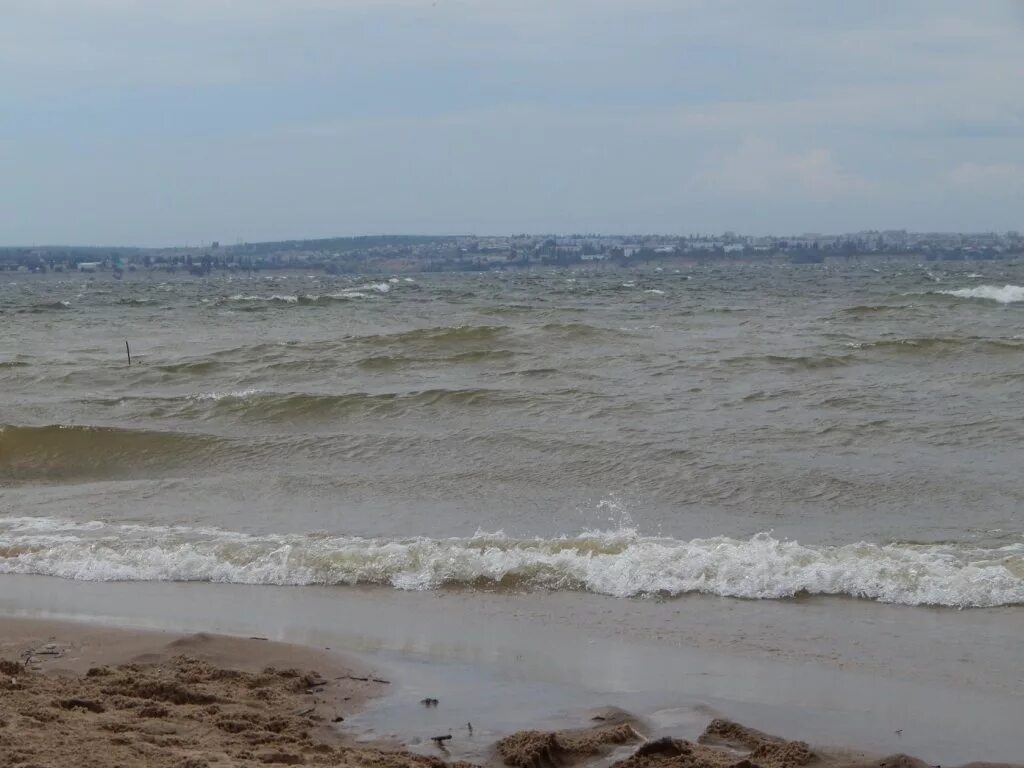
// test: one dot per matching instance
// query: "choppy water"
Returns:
(746, 431)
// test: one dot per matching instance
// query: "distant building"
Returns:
(88, 266)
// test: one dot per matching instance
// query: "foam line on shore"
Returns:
(619, 563)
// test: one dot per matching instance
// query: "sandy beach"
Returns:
(79, 694)
(83, 694)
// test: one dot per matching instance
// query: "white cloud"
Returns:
(760, 167)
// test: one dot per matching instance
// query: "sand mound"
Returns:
(543, 749)
(763, 750)
(677, 753)
(724, 744)
(182, 713)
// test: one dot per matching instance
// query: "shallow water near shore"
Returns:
(532, 660)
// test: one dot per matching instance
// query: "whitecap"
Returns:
(1007, 294)
(235, 395)
(287, 299)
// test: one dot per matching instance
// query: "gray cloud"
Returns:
(154, 122)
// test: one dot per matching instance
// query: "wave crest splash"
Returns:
(618, 563)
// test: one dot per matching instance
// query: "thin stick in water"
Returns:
(129, 351)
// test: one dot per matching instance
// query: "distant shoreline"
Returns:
(463, 253)
(387, 268)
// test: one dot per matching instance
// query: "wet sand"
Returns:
(544, 663)
(82, 695)
(86, 695)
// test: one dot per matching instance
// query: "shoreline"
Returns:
(165, 698)
(543, 661)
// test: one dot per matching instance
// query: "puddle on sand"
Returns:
(495, 702)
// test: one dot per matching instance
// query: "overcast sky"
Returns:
(155, 122)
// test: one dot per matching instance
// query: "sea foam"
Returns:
(618, 563)
(240, 394)
(356, 292)
(1007, 294)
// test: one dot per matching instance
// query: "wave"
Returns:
(262, 353)
(872, 309)
(537, 372)
(571, 331)
(511, 309)
(619, 563)
(255, 406)
(283, 299)
(273, 407)
(190, 367)
(436, 344)
(807, 362)
(46, 306)
(218, 396)
(431, 343)
(356, 292)
(59, 451)
(297, 299)
(929, 344)
(1007, 294)
(390, 362)
(441, 337)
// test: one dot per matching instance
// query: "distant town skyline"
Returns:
(732, 235)
(426, 253)
(179, 122)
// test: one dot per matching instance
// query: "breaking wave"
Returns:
(618, 563)
(356, 292)
(1007, 294)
